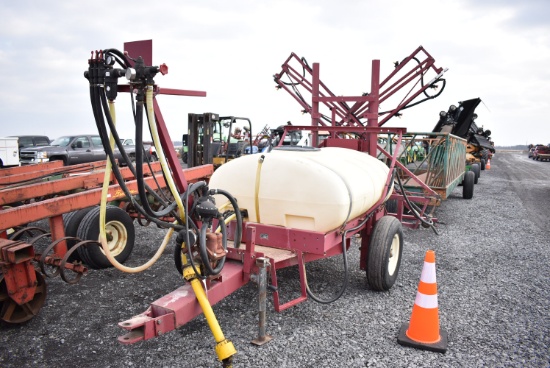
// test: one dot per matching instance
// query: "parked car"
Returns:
(541, 153)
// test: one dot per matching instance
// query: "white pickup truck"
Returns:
(9, 152)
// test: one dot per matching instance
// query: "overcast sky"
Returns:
(498, 50)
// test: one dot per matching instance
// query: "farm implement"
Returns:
(251, 218)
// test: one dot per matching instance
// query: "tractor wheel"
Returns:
(11, 312)
(384, 254)
(468, 185)
(72, 221)
(184, 157)
(119, 227)
(483, 163)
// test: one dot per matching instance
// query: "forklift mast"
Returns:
(200, 139)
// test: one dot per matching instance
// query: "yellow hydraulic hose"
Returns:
(103, 210)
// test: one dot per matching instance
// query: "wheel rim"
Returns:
(394, 254)
(117, 236)
(11, 312)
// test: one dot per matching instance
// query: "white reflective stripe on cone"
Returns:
(428, 273)
(426, 301)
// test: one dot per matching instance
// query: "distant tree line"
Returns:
(521, 147)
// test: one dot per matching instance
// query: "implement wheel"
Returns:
(119, 227)
(477, 171)
(72, 221)
(468, 185)
(384, 255)
(11, 312)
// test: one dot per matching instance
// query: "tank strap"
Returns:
(257, 188)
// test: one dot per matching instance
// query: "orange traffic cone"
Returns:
(488, 164)
(423, 330)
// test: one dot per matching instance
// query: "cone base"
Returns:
(438, 347)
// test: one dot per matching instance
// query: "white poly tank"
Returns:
(308, 189)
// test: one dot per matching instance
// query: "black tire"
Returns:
(483, 163)
(184, 157)
(468, 185)
(382, 261)
(477, 172)
(71, 221)
(119, 225)
(391, 206)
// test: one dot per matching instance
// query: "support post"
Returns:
(262, 264)
(373, 107)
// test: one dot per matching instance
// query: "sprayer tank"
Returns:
(308, 189)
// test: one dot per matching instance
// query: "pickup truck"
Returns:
(74, 149)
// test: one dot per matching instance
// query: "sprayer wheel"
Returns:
(11, 312)
(391, 205)
(384, 255)
(119, 227)
(468, 185)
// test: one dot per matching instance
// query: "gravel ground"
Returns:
(492, 272)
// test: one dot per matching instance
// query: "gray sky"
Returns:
(498, 50)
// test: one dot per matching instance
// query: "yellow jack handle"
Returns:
(224, 348)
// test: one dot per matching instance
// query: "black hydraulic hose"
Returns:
(191, 189)
(105, 139)
(138, 176)
(414, 208)
(139, 154)
(96, 93)
(428, 97)
(201, 238)
(239, 219)
(139, 150)
(345, 282)
(168, 209)
(119, 56)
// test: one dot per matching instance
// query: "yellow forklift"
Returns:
(212, 139)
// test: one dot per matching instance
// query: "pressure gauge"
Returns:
(130, 74)
(110, 60)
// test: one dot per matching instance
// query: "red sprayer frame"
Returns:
(285, 247)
